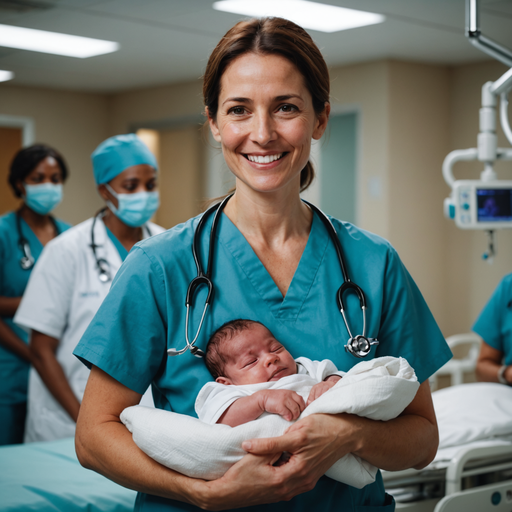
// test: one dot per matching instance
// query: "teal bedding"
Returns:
(44, 477)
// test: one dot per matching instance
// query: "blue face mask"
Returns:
(43, 198)
(134, 209)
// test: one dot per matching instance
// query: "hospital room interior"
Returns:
(414, 136)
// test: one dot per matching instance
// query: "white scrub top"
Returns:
(63, 294)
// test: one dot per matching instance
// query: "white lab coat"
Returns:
(62, 296)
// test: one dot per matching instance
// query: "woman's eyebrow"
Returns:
(237, 100)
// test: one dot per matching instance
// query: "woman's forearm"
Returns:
(406, 442)
(9, 306)
(409, 441)
(104, 445)
(11, 341)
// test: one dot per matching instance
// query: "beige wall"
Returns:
(73, 123)
(418, 143)
(365, 87)
(164, 105)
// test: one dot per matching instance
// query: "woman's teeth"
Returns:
(264, 159)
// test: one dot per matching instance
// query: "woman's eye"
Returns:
(151, 186)
(288, 108)
(238, 111)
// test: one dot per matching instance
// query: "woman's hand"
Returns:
(254, 480)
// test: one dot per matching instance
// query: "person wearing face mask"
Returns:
(73, 276)
(36, 176)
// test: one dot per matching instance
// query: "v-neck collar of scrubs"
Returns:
(35, 244)
(117, 244)
(288, 307)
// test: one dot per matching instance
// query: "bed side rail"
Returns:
(457, 469)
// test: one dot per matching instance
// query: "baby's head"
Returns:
(246, 352)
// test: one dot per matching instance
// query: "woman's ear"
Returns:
(20, 187)
(223, 380)
(213, 126)
(102, 191)
(321, 122)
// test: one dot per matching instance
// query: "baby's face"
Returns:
(254, 356)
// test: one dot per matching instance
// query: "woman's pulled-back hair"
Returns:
(27, 159)
(266, 36)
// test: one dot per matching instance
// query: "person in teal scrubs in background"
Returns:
(266, 93)
(494, 326)
(72, 278)
(36, 176)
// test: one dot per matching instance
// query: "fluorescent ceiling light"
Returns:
(312, 15)
(6, 75)
(52, 42)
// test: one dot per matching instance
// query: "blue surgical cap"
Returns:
(116, 154)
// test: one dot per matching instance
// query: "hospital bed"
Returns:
(472, 470)
(44, 477)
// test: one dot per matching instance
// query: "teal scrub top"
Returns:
(148, 298)
(13, 281)
(494, 324)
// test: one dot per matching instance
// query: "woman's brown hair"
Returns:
(270, 36)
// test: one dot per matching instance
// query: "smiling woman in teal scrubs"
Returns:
(36, 176)
(266, 91)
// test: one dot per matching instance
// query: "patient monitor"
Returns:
(486, 203)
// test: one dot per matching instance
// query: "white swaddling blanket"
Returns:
(379, 389)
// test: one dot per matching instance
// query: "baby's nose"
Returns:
(272, 358)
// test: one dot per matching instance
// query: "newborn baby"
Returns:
(245, 353)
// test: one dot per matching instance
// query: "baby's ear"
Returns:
(223, 380)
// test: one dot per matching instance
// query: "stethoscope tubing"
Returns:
(103, 266)
(27, 261)
(359, 345)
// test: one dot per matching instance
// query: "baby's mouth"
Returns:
(276, 373)
(264, 159)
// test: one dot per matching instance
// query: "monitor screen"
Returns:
(494, 204)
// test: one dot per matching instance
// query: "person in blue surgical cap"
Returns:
(36, 176)
(266, 95)
(73, 277)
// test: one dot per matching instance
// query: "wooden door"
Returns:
(10, 144)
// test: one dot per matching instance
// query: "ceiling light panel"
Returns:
(53, 42)
(6, 75)
(311, 15)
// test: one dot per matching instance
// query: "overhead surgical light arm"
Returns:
(485, 203)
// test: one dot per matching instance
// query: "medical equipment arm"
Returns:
(9, 340)
(103, 444)
(489, 364)
(43, 348)
(408, 441)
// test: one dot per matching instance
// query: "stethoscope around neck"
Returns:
(359, 345)
(27, 261)
(103, 266)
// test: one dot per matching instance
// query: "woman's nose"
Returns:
(263, 129)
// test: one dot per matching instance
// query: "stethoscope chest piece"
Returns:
(27, 261)
(360, 346)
